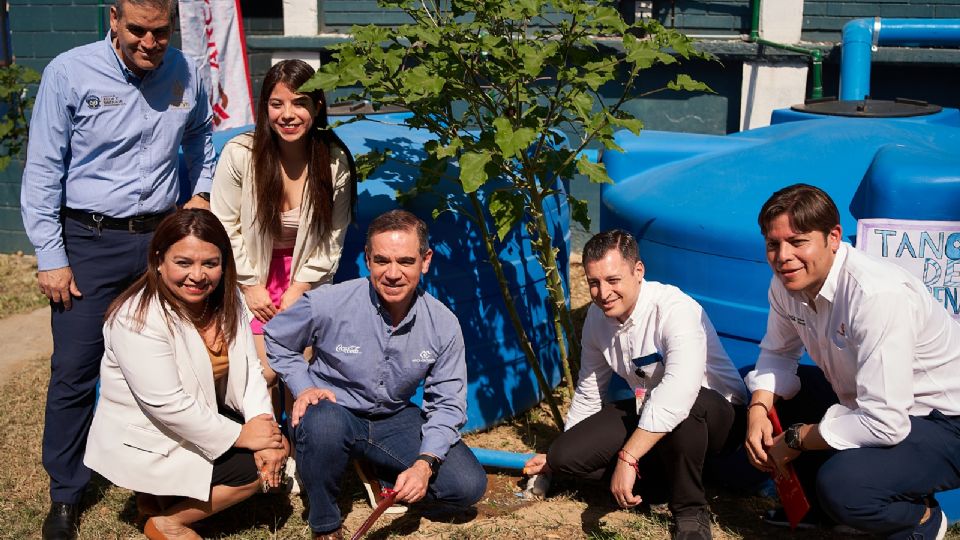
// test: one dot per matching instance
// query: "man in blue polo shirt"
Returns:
(101, 172)
(374, 341)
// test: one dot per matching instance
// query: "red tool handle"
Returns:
(795, 503)
(388, 496)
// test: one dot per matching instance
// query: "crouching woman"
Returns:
(184, 416)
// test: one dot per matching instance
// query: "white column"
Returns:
(766, 85)
(300, 18)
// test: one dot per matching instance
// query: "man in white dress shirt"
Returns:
(690, 398)
(890, 436)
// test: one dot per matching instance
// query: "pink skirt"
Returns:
(278, 281)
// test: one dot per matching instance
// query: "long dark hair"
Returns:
(223, 302)
(267, 182)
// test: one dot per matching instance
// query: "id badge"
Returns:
(639, 393)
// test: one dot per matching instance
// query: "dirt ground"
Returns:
(573, 509)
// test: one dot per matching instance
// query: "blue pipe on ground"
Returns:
(500, 458)
(860, 35)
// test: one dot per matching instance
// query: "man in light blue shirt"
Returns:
(374, 341)
(101, 172)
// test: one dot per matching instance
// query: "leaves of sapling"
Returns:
(512, 141)
(473, 173)
(595, 172)
(368, 162)
(685, 82)
(626, 122)
(579, 211)
(506, 208)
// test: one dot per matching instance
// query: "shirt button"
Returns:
(381, 383)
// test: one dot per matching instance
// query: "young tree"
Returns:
(511, 91)
(14, 80)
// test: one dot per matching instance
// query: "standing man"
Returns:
(689, 396)
(374, 342)
(887, 437)
(101, 173)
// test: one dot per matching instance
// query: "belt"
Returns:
(136, 224)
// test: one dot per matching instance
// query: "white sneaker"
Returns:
(537, 487)
(291, 481)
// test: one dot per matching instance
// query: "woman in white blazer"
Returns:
(285, 194)
(184, 412)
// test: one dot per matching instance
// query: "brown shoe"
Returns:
(332, 535)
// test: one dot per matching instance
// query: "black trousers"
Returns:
(103, 264)
(673, 468)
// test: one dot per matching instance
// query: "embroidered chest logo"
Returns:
(797, 320)
(176, 98)
(112, 101)
(93, 102)
(348, 349)
(425, 357)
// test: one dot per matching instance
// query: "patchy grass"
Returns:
(18, 284)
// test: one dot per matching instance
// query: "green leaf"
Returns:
(506, 207)
(607, 20)
(420, 82)
(370, 161)
(451, 149)
(582, 103)
(473, 172)
(685, 82)
(512, 142)
(632, 124)
(321, 80)
(579, 211)
(595, 172)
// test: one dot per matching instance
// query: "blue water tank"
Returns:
(500, 383)
(692, 201)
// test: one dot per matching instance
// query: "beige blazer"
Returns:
(156, 428)
(315, 256)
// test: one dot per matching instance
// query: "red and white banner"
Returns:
(212, 34)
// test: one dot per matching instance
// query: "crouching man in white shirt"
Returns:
(690, 398)
(890, 436)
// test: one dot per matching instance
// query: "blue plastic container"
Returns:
(500, 383)
(693, 200)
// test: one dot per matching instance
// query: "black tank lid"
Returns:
(868, 108)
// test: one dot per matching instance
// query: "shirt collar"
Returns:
(382, 311)
(829, 288)
(122, 67)
(638, 309)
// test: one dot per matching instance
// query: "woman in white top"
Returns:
(184, 416)
(285, 195)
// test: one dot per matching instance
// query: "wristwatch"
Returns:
(205, 195)
(432, 461)
(792, 437)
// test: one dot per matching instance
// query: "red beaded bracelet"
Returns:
(633, 464)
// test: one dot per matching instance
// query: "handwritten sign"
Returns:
(928, 249)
